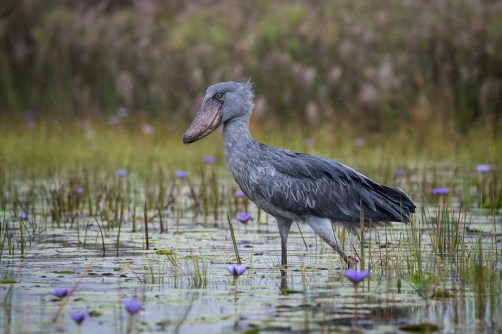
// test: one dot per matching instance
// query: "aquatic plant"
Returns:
(148, 129)
(9, 235)
(122, 112)
(132, 306)
(399, 172)
(309, 142)
(181, 174)
(244, 217)
(439, 243)
(360, 141)
(24, 216)
(79, 191)
(234, 241)
(79, 317)
(356, 276)
(30, 116)
(113, 120)
(209, 160)
(236, 269)
(440, 191)
(61, 293)
(121, 173)
(483, 168)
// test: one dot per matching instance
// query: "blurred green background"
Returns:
(421, 74)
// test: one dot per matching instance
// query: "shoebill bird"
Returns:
(294, 186)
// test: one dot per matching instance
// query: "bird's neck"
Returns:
(236, 134)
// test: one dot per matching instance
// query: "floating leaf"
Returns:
(473, 230)
(64, 272)
(496, 204)
(164, 252)
(7, 281)
(441, 294)
(95, 314)
(290, 291)
(424, 278)
(424, 327)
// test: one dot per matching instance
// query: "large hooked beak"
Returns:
(206, 121)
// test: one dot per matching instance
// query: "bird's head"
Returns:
(223, 101)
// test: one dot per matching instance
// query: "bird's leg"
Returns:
(284, 227)
(323, 228)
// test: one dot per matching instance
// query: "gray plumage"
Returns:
(294, 186)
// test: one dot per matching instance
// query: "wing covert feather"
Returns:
(306, 184)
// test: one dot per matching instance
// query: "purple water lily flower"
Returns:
(132, 306)
(30, 116)
(121, 173)
(440, 191)
(113, 120)
(24, 216)
(209, 160)
(122, 112)
(181, 174)
(236, 269)
(356, 276)
(399, 172)
(483, 168)
(240, 193)
(79, 191)
(31, 119)
(360, 141)
(79, 317)
(148, 129)
(309, 142)
(10, 234)
(61, 293)
(89, 134)
(244, 217)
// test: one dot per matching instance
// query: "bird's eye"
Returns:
(218, 96)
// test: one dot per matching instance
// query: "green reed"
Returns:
(234, 242)
(440, 256)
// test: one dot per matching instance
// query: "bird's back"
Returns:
(282, 181)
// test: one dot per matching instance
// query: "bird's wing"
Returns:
(306, 184)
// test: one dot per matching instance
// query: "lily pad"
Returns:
(420, 328)
(290, 291)
(164, 252)
(441, 295)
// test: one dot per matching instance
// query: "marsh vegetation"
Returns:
(153, 225)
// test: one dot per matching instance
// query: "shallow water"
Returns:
(192, 292)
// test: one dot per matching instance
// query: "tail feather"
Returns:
(398, 195)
